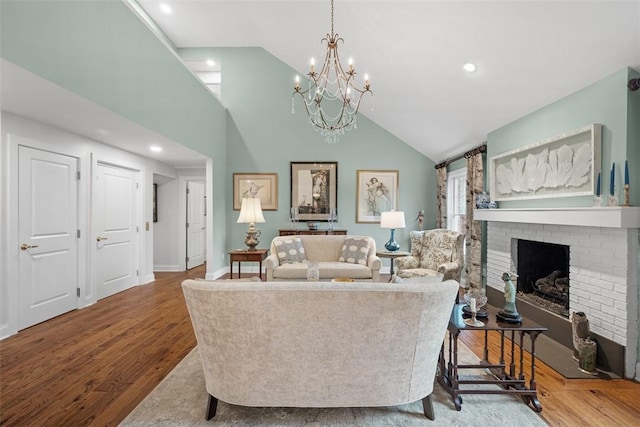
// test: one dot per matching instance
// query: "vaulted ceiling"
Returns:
(528, 54)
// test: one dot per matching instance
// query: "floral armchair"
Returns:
(433, 251)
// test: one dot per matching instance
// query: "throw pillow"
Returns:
(290, 251)
(355, 250)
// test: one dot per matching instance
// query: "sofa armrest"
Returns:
(407, 262)
(374, 262)
(451, 270)
(271, 261)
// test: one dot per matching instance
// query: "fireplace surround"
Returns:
(603, 271)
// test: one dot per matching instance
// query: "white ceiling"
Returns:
(528, 53)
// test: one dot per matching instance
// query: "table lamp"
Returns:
(392, 220)
(250, 213)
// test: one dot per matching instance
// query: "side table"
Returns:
(241, 255)
(392, 256)
(504, 376)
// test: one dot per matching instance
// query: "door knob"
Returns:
(25, 246)
(101, 238)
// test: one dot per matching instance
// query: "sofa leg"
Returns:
(211, 407)
(427, 406)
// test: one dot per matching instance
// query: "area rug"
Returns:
(181, 400)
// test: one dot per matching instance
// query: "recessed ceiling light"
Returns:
(211, 62)
(469, 67)
(165, 8)
(155, 148)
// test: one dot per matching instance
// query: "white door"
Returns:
(47, 228)
(196, 212)
(116, 230)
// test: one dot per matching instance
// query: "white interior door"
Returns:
(196, 227)
(47, 228)
(116, 229)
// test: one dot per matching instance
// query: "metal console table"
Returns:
(504, 375)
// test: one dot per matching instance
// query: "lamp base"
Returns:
(392, 245)
(252, 238)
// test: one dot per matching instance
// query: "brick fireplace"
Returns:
(603, 269)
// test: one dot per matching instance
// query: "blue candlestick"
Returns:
(613, 179)
(626, 172)
(598, 185)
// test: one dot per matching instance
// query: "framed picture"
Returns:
(261, 185)
(314, 189)
(562, 166)
(377, 191)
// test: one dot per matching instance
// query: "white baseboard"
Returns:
(217, 274)
(168, 268)
(149, 278)
(6, 331)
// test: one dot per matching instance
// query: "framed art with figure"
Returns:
(314, 189)
(377, 191)
(261, 185)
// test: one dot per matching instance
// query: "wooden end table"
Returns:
(505, 376)
(392, 256)
(243, 255)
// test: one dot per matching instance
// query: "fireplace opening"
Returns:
(543, 275)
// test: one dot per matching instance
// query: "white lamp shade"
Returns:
(392, 219)
(250, 211)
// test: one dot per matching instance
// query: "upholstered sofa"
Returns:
(433, 251)
(319, 344)
(337, 256)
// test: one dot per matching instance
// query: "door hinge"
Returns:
(78, 176)
(78, 292)
(137, 229)
(187, 190)
(186, 259)
(78, 233)
(186, 224)
(137, 185)
(137, 272)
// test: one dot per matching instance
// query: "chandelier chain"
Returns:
(331, 18)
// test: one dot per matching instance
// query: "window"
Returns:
(457, 200)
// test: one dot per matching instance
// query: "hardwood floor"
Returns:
(93, 366)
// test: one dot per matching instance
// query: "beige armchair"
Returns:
(433, 251)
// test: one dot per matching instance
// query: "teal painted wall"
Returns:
(263, 136)
(101, 51)
(605, 102)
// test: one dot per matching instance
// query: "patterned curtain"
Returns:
(473, 242)
(441, 214)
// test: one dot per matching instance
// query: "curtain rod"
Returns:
(480, 149)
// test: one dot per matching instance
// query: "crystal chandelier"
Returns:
(331, 100)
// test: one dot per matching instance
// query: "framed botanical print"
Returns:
(314, 189)
(377, 191)
(261, 185)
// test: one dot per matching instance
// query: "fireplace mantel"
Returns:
(612, 217)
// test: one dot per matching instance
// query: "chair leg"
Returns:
(211, 407)
(427, 406)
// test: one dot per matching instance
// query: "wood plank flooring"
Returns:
(93, 366)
